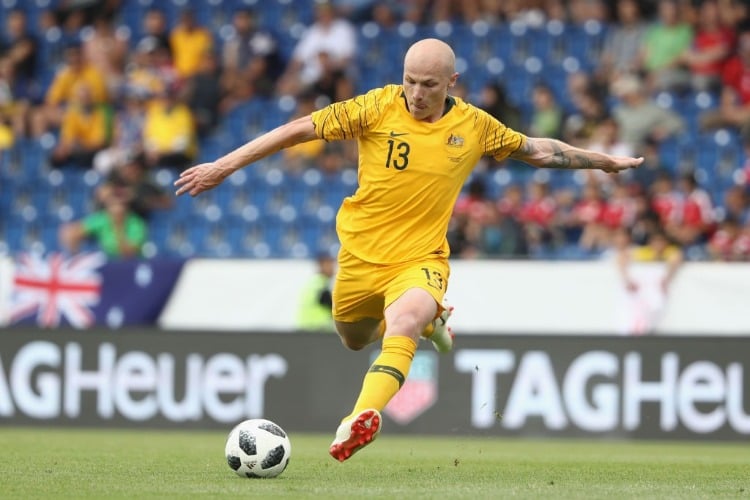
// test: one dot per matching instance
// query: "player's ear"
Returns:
(453, 80)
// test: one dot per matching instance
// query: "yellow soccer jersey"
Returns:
(410, 172)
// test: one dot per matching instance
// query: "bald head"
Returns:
(430, 55)
(429, 71)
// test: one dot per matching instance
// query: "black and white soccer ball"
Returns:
(258, 448)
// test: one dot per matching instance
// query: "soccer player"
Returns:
(417, 146)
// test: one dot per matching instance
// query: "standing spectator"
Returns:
(86, 130)
(639, 117)
(251, 62)
(664, 44)
(169, 136)
(117, 231)
(513, 238)
(712, 45)
(328, 46)
(76, 70)
(316, 300)
(190, 43)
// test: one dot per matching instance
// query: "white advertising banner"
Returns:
(489, 297)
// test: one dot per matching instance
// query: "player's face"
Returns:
(426, 90)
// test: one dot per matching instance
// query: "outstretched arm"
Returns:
(551, 153)
(205, 176)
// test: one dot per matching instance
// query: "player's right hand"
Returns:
(199, 178)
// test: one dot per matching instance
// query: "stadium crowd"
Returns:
(130, 88)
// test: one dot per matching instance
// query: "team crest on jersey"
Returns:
(455, 140)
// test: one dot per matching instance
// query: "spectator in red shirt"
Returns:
(712, 45)
(734, 106)
(587, 214)
(537, 215)
(696, 215)
(665, 201)
(730, 242)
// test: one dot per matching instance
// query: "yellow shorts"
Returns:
(364, 290)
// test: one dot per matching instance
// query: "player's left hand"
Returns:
(199, 178)
(620, 163)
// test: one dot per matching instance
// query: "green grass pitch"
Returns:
(78, 463)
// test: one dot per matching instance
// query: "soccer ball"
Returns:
(258, 448)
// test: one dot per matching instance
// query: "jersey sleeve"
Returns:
(498, 140)
(350, 118)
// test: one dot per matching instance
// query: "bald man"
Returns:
(417, 146)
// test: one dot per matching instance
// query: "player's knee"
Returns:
(353, 344)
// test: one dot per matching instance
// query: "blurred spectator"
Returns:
(493, 98)
(149, 70)
(328, 46)
(729, 242)
(19, 49)
(664, 44)
(734, 107)
(202, 93)
(76, 71)
(130, 181)
(127, 133)
(587, 216)
(581, 126)
(620, 210)
(8, 109)
(696, 215)
(622, 47)
(646, 288)
(546, 114)
(665, 201)
(106, 48)
(316, 300)
(639, 117)
(712, 45)
(13, 113)
(537, 215)
(86, 129)
(190, 43)
(251, 61)
(115, 229)
(735, 205)
(303, 155)
(169, 137)
(513, 238)
(156, 29)
(473, 226)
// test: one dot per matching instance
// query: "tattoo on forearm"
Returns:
(559, 160)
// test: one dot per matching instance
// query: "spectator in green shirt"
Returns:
(116, 229)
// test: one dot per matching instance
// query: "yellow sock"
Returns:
(428, 330)
(386, 375)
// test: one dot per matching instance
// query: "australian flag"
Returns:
(86, 290)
